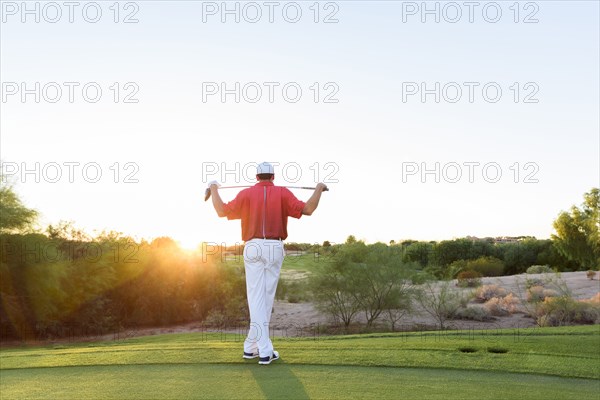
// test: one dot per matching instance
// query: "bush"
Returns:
(292, 290)
(474, 312)
(487, 292)
(533, 282)
(487, 266)
(455, 268)
(590, 274)
(420, 278)
(298, 292)
(440, 301)
(563, 310)
(502, 305)
(594, 299)
(215, 319)
(539, 269)
(539, 293)
(282, 289)
(369, 279)
(535, 293)
(468, 279)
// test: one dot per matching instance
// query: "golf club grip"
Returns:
(207, 194)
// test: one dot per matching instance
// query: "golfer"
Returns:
(263, 209)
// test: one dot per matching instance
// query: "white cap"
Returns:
(265, 168)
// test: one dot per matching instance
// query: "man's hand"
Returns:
(321, 187)
(213, 185)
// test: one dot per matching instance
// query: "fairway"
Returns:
(527, 364)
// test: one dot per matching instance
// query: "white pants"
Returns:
(262, 260)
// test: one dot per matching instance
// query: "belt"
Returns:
(267, 238)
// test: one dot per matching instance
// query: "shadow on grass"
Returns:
(278, 381)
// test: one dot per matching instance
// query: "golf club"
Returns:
(207, 192)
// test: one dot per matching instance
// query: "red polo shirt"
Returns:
(264, 209)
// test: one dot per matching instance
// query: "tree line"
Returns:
(56, 286)
(61, 282)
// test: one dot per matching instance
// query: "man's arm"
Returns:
(312, 203)
(217, 201)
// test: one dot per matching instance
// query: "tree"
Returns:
(401, 305)
(577, 232)
(418, 252)
(486, 266)
(439, 300)
(14, 216)
(333, 284)
(381, 282)
(333, 289)
(446, 252)
(370, 279)
(351, 239)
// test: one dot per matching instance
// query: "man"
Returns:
(263, 209)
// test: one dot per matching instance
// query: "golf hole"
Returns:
(468, 349)
(497, 350)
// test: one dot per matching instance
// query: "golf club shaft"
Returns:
(207, 192)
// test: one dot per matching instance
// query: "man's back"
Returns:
(264, 209)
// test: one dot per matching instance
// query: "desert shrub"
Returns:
(294, 298)
(502, 305)
(535, 293)
(468, 279)
(282, 289)
(539, 269)
(487, 266)
(590, 274)
(420, 278)
(81, 291)
(298, 292)
(434, 271)
(530, 282)
(487, 292)
(455, 268)
(466, 298)
(215, 319)
(474, 312)
(361, 278)
(593, 299)
(564, 310)
(294, 291)
(231, 313)
(440, 301)
(539, 293)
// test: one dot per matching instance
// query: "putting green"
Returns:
(528, 364)
(283, 382)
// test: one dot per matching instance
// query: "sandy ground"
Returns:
(302, 319)
(577, 282)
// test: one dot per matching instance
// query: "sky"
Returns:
(484, 122)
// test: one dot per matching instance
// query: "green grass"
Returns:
(504, 364)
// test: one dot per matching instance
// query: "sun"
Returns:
(188, 243)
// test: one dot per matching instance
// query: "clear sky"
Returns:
(370, 129)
